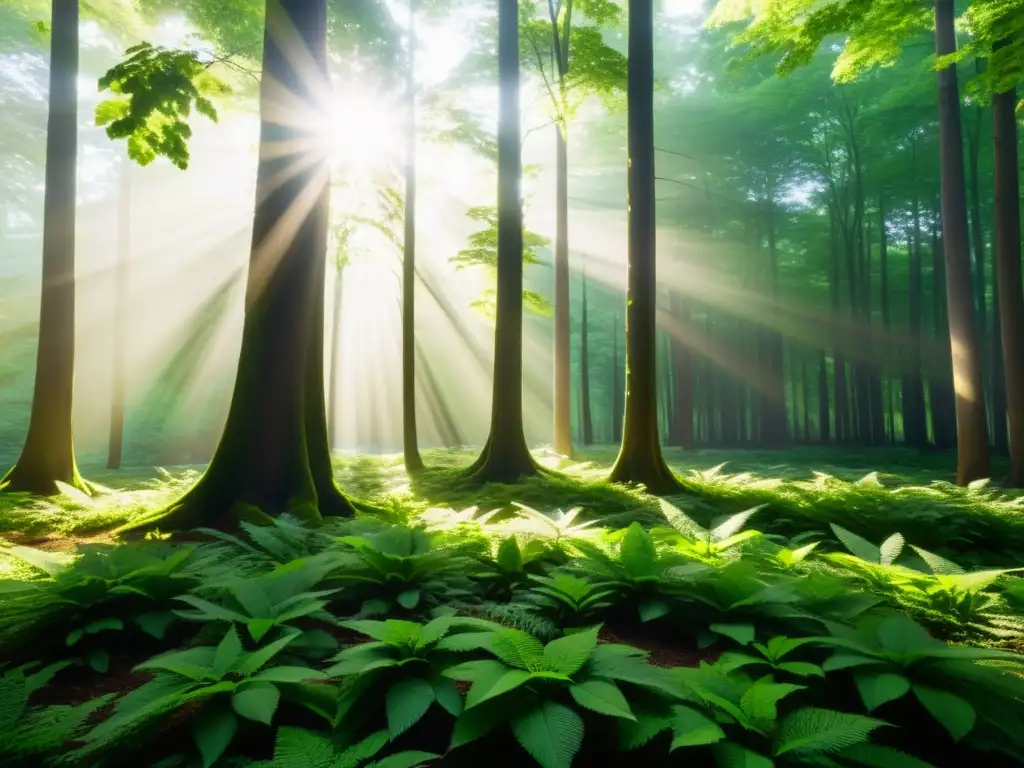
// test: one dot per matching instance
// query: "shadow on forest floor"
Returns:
(873, 492)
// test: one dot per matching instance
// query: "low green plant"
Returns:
(738, 720)
(300, 748)
(284, 540)
(32, 736)
(509, 568)
(275, 600)
(975, 694)
(402, 671)
(569, 600)
(708, 545)
(99, 599)
(402, 567)
(540, 691)
(773, 654)
(637, 571)
(230, 682)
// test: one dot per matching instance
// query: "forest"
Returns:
(539, 382)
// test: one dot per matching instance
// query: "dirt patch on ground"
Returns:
(663, 651)
(66, 544)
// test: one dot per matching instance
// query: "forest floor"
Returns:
(800, 490)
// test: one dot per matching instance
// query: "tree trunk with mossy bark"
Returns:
(273, 457)
(506, 457)
(48, 456)
(640, 458)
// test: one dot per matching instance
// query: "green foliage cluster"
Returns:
(155, 90)
(399, 638)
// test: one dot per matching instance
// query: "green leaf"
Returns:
(890, 549)
(517, 648)
(759, 702)
(552, 734)
(257, 701)
(288, 675)
(842, 660)
(801, 668)
(102, 625)
(510, 558)
(253, 662)
(690, 728)
(447, 696)
(650, 610)
(877, 688)
(98, 660)
(409, 599)
(474, 724)
(508, 681)
(408, 759)
(811, 731)
(406, 702)
(953, 713)
(213, 732)
(259, 627)
(227, 653)
(568, 654)
(729, 754)
(433, 631)
(637, 552)
(741, 633)
(603, 697)
(155, 623)
(858, 546)
(74, 636)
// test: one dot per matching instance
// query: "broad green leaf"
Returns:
(729, 754)
(517, 648)
(213, 732)
(650, 610)
(259, 627)
(405, 703)
(953, 713)
(409, 599)
(811, 730)
(637, 552)
(508, 681)
(860, 547)
(568, 654)
(840, 660)
(256, 701)
(433, 631)
(877, 688)
(288, 675)
(227, 653)
(690, 728)
(890, 549)
(155, 623)
(447, 696)
(801, 668)
(552, 734)
(102, 625)
(759, 702)
(602, 697)
(98, 660)
(741, 633)
(407, 759)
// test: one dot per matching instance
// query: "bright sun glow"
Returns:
(364, 132)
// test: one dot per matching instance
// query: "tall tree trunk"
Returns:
(410, 439)
(48, 456)
(505, 457)
(883, 258)
(839, 366)
(586, 419)
(972, 430)
(562, 441)
(115, 443)
(915, 430)
(640, 459)
(773, 404)
(333, 379)
(616, 393)
(1008, 283)
(940, 385)
(823, 392)
(273, 456)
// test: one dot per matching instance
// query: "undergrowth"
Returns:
(502, 634)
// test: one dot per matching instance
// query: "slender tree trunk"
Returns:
(505, 457)
(586, 420)
(640, 459)
(48, 456)
(773, 405)
(616, 394)
(883, 257)
(1008, 256)
(914, 420)
(681, 428)
(273, 456)
(839, 365)
(333, 379)
(805, 395)
(562, 442)
(823, 393)
(972, 430)
(115, 443)
(410, 439)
